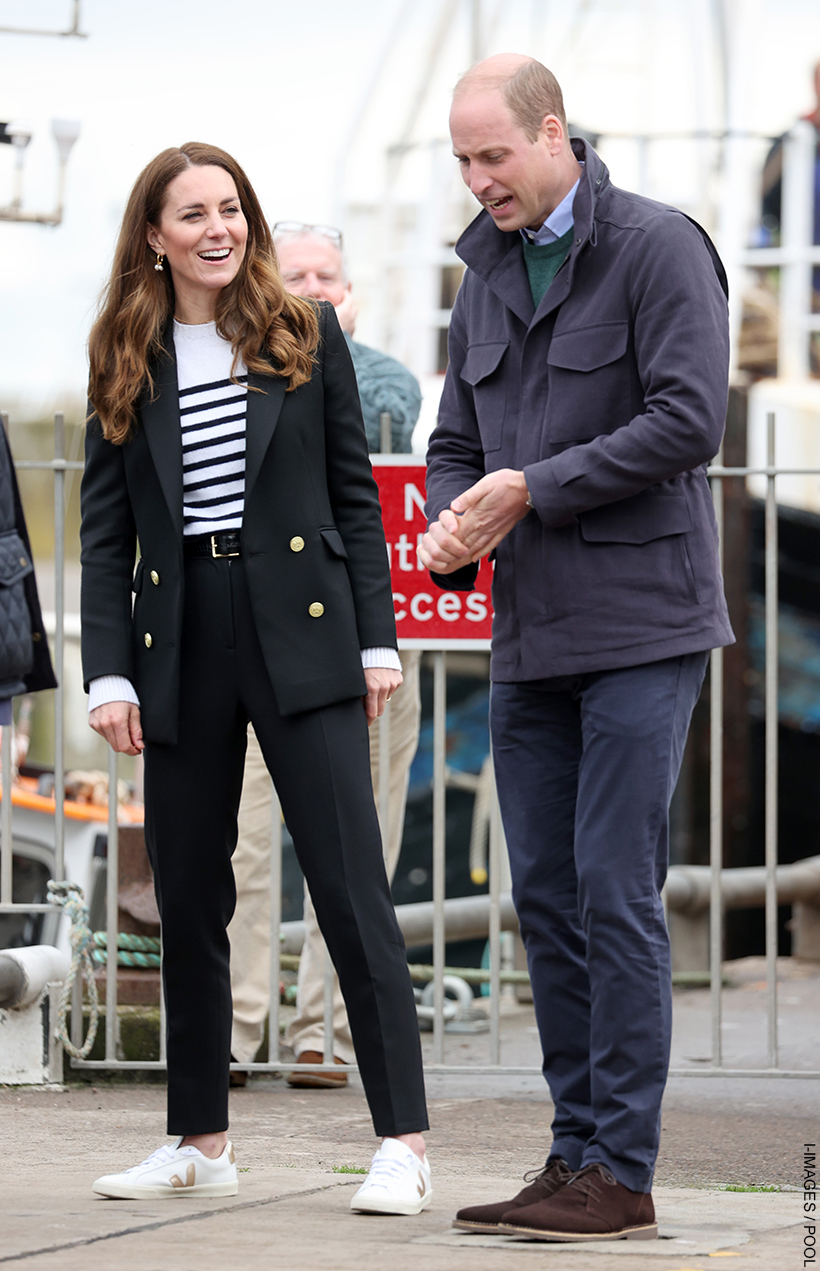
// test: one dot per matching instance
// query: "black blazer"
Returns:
(308, 481)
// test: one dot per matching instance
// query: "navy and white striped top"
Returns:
(212, 412)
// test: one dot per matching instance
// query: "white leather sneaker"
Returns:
(173, 1171)
(398, 1182)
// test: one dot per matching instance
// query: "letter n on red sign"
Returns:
(426, 617)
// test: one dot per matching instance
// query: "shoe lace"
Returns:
(384, 1169)
(160, 1157)
(588, 1180)
(557, 1167)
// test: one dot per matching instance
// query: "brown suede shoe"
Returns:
(316, 1080)
(487, 1217)
(592, 1206)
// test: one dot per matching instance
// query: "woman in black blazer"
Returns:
(226, 439)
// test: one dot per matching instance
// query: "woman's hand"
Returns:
(119, 723)
(381, 685)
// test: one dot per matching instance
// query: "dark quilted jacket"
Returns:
(25, 662)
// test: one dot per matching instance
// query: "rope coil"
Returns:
(69, 897)
(132, 950)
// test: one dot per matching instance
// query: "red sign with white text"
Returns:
(426, 616)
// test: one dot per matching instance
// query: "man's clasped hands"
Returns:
(475, 522)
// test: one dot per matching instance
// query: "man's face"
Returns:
(518, 181)
(312, 266)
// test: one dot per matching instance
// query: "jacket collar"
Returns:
(496, 257)
(160, 418)
(262, 417)
(159, 414)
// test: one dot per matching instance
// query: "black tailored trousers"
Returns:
(319, 762)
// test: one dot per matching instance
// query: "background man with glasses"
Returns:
(312, 264)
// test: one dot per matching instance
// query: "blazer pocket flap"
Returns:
(136, 585)
(588, 348)
(638, 520)
(15, 562)
(482, 360)
(334, 541)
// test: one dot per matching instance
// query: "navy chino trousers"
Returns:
(585, 767)
(320, 764)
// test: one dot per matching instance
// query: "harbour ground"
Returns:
(295, 1147)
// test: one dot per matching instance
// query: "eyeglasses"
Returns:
(299, 227)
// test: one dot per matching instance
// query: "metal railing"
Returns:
(497, 905)
(796, 257)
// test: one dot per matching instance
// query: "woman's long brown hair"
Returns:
(254, 311)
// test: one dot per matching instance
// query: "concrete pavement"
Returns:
(292, 1211)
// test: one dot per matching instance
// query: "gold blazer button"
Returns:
(149, 640)
(297, 543)
(316, 610)
(155, 578)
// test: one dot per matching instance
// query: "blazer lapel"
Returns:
(160, 419)
(261, 420)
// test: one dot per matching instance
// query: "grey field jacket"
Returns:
(611, 397)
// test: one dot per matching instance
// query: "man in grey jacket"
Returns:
(585, 395)
(312, 264)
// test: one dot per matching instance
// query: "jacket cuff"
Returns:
(547, 496)
(110, 688)
(382, 657)
(459, 580)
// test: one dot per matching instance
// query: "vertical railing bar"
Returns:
(439, 828)
(77, 1012)
(495, 928)
(383, 792)
(7, 857)
(716, 815)
(163, 1019)
(59, 648)
(772, 719)
(112, 877)
(327, 1009)
(275, 925)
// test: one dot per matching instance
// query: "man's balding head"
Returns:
(529, 90)
(510, 137)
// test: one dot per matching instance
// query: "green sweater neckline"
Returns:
(543, 262)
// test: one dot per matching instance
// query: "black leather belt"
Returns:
(226, 543)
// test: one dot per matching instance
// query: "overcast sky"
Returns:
(278, 85)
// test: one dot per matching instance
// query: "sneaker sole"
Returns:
(650, 1232)
(115, 1192)
(406, 1210)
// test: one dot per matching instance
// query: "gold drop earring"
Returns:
(160, 259)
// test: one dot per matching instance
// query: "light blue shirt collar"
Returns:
(556, 224)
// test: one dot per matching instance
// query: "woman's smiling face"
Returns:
(203, 233)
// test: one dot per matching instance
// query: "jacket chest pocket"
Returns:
(589, 382)
(484, 371)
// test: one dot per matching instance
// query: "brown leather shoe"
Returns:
(487, 1217)
(592, 1206)
(237, 1080)
(316, 1080)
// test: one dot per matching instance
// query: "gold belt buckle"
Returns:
(220, 555)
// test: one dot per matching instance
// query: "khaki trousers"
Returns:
(249, 931)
